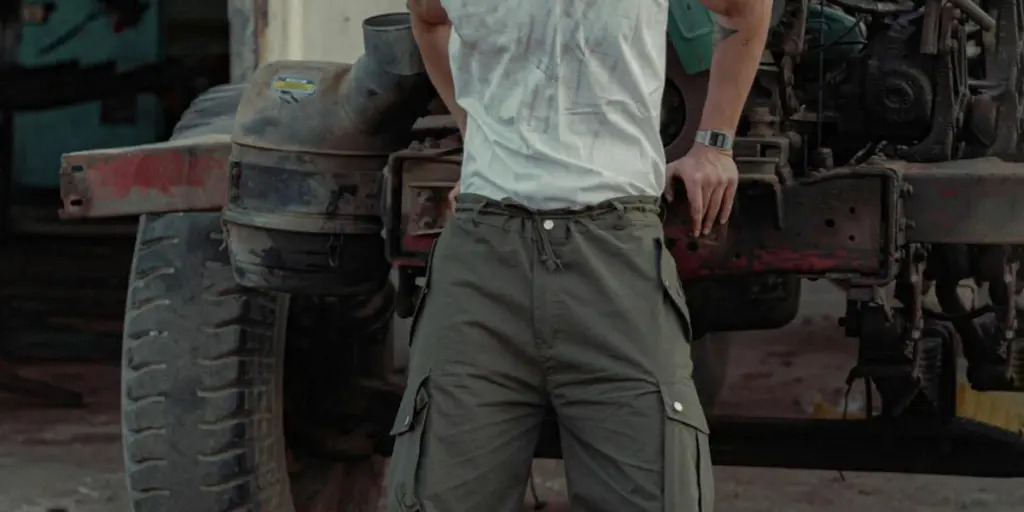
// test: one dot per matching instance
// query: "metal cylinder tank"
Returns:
(310, 144)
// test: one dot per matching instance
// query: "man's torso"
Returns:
(563, 98)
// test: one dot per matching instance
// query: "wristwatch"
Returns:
(715, 139)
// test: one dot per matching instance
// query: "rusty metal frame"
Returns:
(964, 201)
(854, 231)
(442, 168)
(848, 222)
(179, 175)
(977, 201)
(841, 223)
(188, 174)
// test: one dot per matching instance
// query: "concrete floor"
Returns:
(53, 459)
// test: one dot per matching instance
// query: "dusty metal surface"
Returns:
(189, 173)
(186, 173)
(180, 175)
(976, 201)
(310, 143)
(839, 222)
(836, 223)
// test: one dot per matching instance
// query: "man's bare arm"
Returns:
(741, 28)
(432, 30)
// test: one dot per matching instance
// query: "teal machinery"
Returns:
(116, 35)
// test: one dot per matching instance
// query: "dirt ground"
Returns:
(52, 459)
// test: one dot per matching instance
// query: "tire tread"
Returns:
(198, 377)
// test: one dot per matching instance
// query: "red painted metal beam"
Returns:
(842, 223)
(181, 175)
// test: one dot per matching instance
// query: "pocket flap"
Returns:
(669, 277)
(683, 405)
(414, 402)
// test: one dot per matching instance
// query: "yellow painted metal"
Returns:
(1001, 410)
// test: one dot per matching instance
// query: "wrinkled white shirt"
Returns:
(563, 98)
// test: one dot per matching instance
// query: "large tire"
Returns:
(203, 387)
(201, 382)
(710, 356)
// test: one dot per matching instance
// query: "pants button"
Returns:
(549, 224)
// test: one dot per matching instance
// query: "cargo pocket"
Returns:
(689, 484)
(673, 288)
(421, 296)
(409, 427)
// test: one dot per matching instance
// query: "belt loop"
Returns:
(477, 208)
(620, 222)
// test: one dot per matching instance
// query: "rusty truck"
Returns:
(288, 223)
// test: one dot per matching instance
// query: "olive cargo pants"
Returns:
(579, 310)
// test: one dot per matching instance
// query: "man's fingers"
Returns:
(728, 200)
(714, 205)
(695, 196)
(453, 194)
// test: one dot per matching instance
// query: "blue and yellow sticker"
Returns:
(293, 86)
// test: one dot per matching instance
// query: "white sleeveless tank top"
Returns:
(563, 98)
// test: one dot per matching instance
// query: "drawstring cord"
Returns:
(547, 251)
(548, 255)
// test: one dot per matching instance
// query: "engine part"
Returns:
(876, 6)
(311, 140)
(910, 360)
(976, 13)
(897, 88)
(944, 140)
(1004, 66)
(832, 35)
(899, 94)
(993, 343)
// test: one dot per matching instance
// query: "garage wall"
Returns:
(195, 27)
(319, 29)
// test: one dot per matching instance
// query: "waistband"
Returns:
(617, 213)
(480, 204)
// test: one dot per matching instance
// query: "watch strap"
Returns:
(715, 138)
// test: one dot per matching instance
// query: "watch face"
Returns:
(715, 139)
(718, 140)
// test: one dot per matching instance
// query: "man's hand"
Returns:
(453, 195)
(710, 177)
